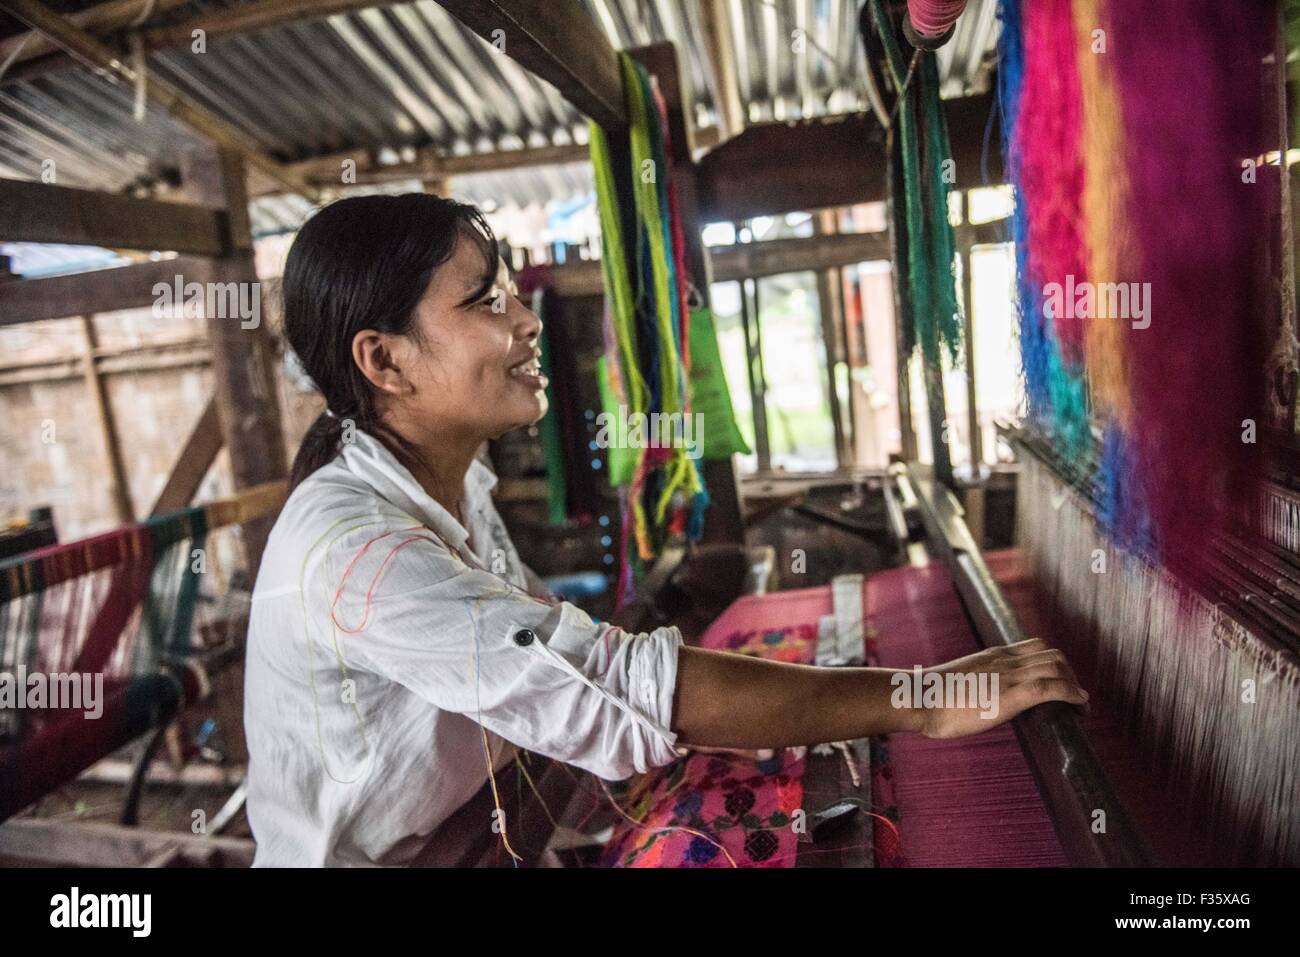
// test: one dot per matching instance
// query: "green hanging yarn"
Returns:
(930, 242)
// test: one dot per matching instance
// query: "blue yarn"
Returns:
(1110, 482)
(647, 330)
(1011, 65)
(699, 505)
(1122, 511)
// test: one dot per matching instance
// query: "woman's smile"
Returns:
(529, 372)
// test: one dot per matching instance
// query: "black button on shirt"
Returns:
(524, 636)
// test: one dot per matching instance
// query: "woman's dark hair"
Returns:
(365, 263)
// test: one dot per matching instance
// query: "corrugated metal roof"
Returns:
(410, 75)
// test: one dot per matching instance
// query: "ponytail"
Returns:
(319, 447)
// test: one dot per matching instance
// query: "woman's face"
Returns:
(475, 366)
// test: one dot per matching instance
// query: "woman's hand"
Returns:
(1027, 673)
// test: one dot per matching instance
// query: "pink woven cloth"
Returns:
(972, 802)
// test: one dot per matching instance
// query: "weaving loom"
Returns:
(118, 609)
(1025, 794)
(1127, 160)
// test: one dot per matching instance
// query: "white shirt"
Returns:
(364, 725)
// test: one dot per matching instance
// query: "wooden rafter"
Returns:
(101, 20)
(749, 175)
(92, 52)
(115, 22)
(45, 213)
(557, 41)
(119, 488)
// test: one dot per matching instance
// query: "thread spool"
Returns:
(930, 24)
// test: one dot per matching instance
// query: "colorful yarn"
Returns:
(1034, 347)
(648, 314)
(557, 511)
(1193, 112)
(1125, 130)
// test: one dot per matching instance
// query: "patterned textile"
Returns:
(743, 804)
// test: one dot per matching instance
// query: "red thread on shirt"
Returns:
(365, 618)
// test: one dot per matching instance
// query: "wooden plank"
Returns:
(830, 308)
(248, 17)
(196, 457)
(242, 359)
(325, 170)
(101, 58)
(119, 489)
(749, 175)
(775, 256)
(45, 213)
(748, 260)
(557, 41)
(93, 844)
(428, 163)
(103, 290)
(965, 242)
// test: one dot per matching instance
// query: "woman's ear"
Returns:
(373, 352)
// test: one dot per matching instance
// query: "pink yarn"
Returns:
(930, 18)
(1051, 162)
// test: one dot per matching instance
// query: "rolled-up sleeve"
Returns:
(542, 675)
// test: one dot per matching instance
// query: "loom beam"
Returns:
(1070, 778)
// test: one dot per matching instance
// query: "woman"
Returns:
(399, 650)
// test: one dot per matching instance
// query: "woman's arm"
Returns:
(735, 701)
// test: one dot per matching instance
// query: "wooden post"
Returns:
(724, 523)
(118, 489)
(830, 303)
(965, 245)
(242, 358)
(722, 67)
(244, 386)
(902, 301)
